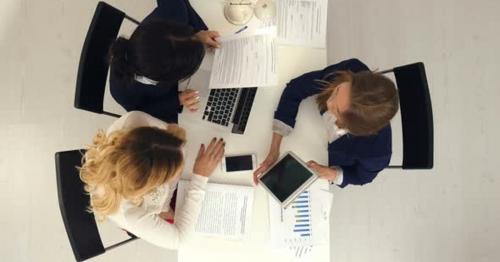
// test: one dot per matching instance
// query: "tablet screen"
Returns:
(286, 177)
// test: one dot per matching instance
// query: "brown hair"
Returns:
(128, 164)
(374, 100)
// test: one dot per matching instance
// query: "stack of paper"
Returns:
(226, 210)
(244, 61)
(302, 22)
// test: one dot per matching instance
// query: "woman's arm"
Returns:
(272, 156)
(194, 19)
(363, 171)
(307, 85)
(295, 91)
(179, 11)
(152, 228)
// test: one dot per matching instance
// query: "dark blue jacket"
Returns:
(162, 100)
(360, 157)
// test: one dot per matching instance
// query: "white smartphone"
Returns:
(238, 163)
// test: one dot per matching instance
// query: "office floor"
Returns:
(450, 213)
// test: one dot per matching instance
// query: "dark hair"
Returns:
(159, 50)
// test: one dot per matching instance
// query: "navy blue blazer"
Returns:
(360, 157)
(162, 100)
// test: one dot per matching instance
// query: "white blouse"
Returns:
(144, 220)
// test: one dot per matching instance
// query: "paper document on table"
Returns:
(244, 61)
(226, 210)
(302, 22)
(301, 226)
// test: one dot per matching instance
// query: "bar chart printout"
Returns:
(291, 228)
(302, 216)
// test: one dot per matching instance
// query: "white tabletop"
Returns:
(308, 141)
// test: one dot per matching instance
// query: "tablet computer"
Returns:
(287, 178)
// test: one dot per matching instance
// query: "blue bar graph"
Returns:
(302, 209)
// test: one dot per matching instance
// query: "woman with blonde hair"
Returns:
(356, 105)
(132, 170)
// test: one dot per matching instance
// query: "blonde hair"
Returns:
(128, 164)
(374, 100)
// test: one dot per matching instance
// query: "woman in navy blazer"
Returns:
(356, 106)
(166, 47)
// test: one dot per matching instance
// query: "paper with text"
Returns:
(244, 61)
(301, 226)
(302, 22)
(226, 209)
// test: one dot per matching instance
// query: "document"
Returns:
(302, 22)
(301, 226)
(244, 61)
(226, 210)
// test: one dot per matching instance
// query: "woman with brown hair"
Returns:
(356, 105)
(132, 170)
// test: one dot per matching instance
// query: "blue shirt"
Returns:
(360, 157)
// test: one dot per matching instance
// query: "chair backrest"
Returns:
(93, 67)
(416, 116)
(80, 225)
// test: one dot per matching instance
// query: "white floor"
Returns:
(451, 213)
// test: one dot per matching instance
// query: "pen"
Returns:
(241, 30)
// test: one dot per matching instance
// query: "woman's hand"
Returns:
(209, 158)
(190, 99)
(323, 171)
(208, 38)
(167, 215)
(271, 158)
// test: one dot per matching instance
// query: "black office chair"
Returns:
(80, 225)
(93, 67)
(416, 116)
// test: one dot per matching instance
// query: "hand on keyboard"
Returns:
(190, 99)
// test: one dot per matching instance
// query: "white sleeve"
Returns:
(171, 189)
(281, 128)
(339, 178)
(150, 227)
(135, 119)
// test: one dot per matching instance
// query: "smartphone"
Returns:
(239, 163)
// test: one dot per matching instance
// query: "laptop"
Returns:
(226, 108)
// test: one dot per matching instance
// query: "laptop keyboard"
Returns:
(243, 108)
(220, 105)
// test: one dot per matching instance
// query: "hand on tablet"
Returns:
(264, 166)
(209, 158)
(322, 171)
